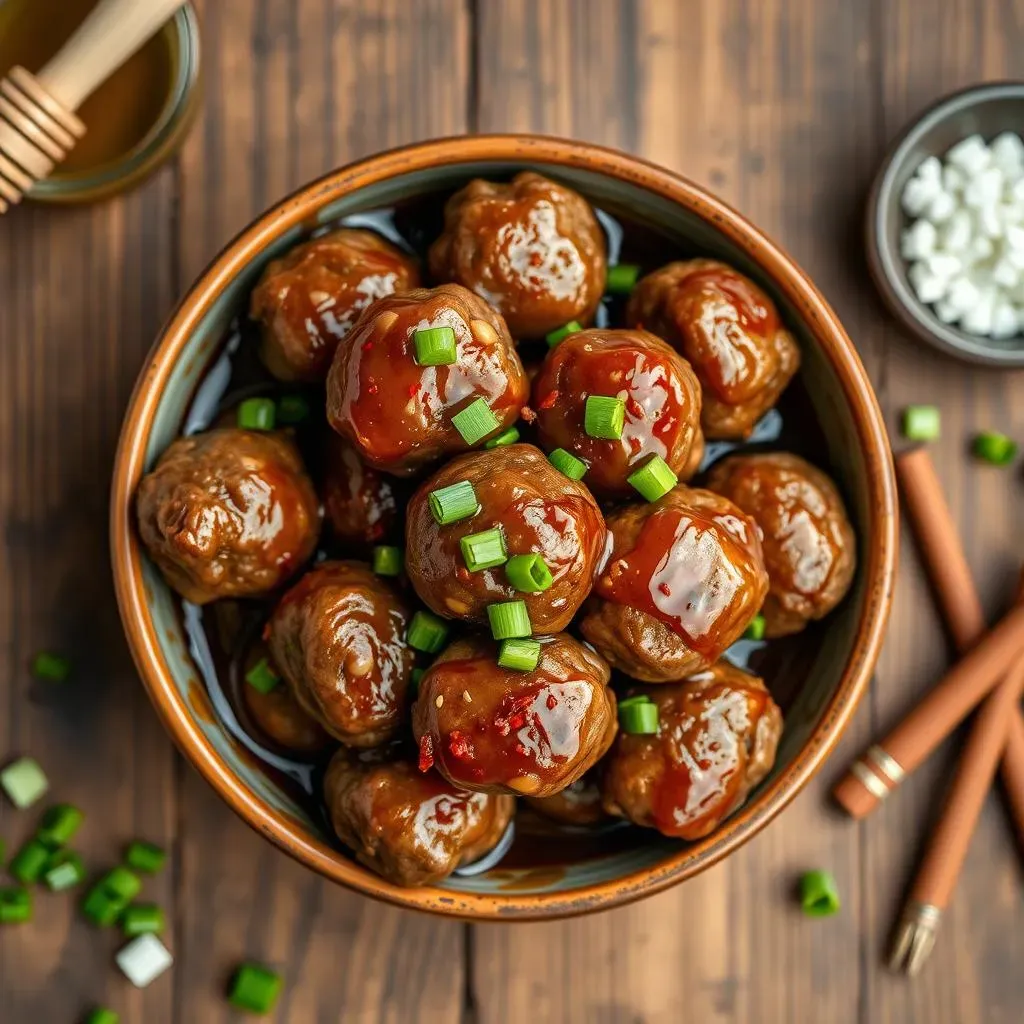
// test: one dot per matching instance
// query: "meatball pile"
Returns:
(483, 587)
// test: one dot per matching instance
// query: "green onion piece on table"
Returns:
(567, 464)
(24, 782)
(292, 409)
(387, 560)
(509, 619)
(257, 414)
(604, 417)
(475, 422)
(563, 332)
(51, 667)
(819, 895)
(101, 1015)
(262, 677)
(922, 423)
(120, 883)
(64, 870)
(519, 653)
(528, 573)
(15, 906)
(28, 865)
(654, 479)
(427, 632)
(756, 629)
(145, 857)
(995, 448)
(435, 346)
(640, 719)
(483, 550)
(622, 278)
(509, 436)
(102, 909)
(141, 919)
(255, 988)
(59, 825)
(453, 503)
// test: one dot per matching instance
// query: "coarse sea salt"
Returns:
(964, 241)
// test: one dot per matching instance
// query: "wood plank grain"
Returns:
(928, 50)
(745, 98)
(84, 291)
(291, 91)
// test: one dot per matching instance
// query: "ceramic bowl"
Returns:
(986, 110)
(844, 407)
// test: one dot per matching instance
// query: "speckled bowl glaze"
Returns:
(844, 405)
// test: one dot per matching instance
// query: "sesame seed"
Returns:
(439, 701)
(466, 697)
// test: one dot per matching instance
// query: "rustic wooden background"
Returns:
(784, 107)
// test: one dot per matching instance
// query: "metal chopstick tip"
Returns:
(915, 937)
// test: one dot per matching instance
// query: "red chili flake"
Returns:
(426, 753)
(413, 390)
(367, 345)
(518, 720)
(665, 589)
(459, 746)
(528, 414)
(462, 574)
(634, 408)
(501, 724)
(520, 750)
(548, 401)
(372, 389)
(552, 702)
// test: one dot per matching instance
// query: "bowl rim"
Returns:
(880, 550)
(884, 262)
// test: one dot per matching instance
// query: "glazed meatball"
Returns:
(338, 638)
(309, 300)
(578, 804)
(662, 404)
(398, 414)
(685, 577)
(228, 513)
(500, 730)
(535, 508)
(716, 740)
(360, 502)
(731, 333)
(413, 828)
(532, 248)
(809, 546)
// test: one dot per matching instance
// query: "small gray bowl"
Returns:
(986, 110)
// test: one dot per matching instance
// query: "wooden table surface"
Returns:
(784, 107)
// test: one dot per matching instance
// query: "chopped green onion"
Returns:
(52, 667)
(483, 550)
(509, 619)
(509, 436)
(640, 719)
(414, 679)
(622, 278)
(528, 573)
(435, 346)
(64, 871)
(998, 449)
(292, 409)
(475, 422)
(120, 883)
(819, 895)
(262, 677)
(28, 865)
(257, 414)
(145, 857)
(921, 423)
(637, 698)
(101, 1015)
(604, 417)
(15, 906)
(24, 782)
(453, 503)
(519, 653)
(427, 632)
(59, 825)
(387, 560)
(143, 960)
(255, 988)
(141, 919)
(653, 479)
(756, 629)
(567, 464)
(101, 908)
(563, 332)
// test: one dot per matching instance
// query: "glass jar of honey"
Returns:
(134, 121)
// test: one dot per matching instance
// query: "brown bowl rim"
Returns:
(880, 534)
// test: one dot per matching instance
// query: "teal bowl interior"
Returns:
(816, 713)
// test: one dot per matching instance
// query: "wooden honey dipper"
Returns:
(38, 124)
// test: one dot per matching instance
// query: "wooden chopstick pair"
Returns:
(994, 663)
